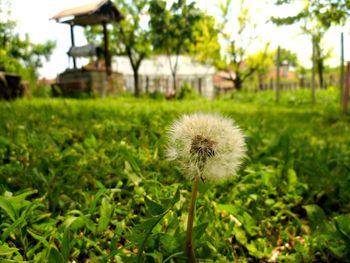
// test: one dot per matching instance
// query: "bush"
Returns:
(187, 92)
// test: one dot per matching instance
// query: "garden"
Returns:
(89, 181)
(178, 131)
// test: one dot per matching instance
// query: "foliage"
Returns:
(87, 181)
(327, 12)
(268, 61)
(173, 29)
(317, 17)
(134, 38)
(289, 56)
(237, 46)
(129, 37)
(20, 55)
(187, 92)
(205, 46)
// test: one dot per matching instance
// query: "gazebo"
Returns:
(95, 80)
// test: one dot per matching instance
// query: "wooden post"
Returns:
(147, 85)
(73, 43)
(341, 80)
(313, 84)
(346, 91)
(106, 49)
(278, 62)
(200, 86)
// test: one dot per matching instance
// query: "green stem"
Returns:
(189, 244)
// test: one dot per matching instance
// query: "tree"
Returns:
(173, 29)
(20, 55)
(130, 37)
(237, 46)
(316, 17)
(266, 60)
(287, 55)
(205, 46)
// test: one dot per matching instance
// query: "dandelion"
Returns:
(208, 147)
(206, 144)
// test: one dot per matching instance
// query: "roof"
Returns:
(159, 66)
(224, 75)
(223, 79)
(90, 14)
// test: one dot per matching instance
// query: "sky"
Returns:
(36, 22)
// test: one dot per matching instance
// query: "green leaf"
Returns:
(77, 222)
(90, 224)
(249, 224)
(172, 256)
(148, 225)
(12, 228)
(106, 212)
(240, 235)
(228, 208)
(65, 245)
(100, 185)
(7, 251)
(342, 224)
(55, 256)
(8, 208)
(97, 198)
(131, 160)
(23, 196)
(292, 180)
(91, 142)
(39, 238)
(153, 207)
(316, 216)
(199, 230)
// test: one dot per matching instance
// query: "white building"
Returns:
(155, 74)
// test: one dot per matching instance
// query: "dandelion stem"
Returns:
(189, 244)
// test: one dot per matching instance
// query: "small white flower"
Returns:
(206, 145)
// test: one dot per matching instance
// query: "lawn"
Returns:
(88, 181)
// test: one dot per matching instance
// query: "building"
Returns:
(77, 82)
(155, 74)
(223, 81)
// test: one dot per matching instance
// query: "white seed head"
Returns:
(208, 145)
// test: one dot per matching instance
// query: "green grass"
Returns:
(88, 180)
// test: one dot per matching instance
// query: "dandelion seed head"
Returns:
(206, 144)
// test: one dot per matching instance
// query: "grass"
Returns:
(87, 180)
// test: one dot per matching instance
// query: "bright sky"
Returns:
(40, 28)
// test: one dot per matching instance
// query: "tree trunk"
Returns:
(319, 64)
(136, 82)
(238, 83)
(174, 81)
(342, 79)
(261, 82)
(320, 72)
(173, 69)
(135, 65)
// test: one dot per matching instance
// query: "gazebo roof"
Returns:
(103, 11)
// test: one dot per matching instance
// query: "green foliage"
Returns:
(133, 38)
(129, 36)
(316, 17)
(173, 28)
(187, 92)
(156, 95)
(328, 12)
(176, 30)
(235, 56)
(205, 46)
(87, 181)
(20, 55)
